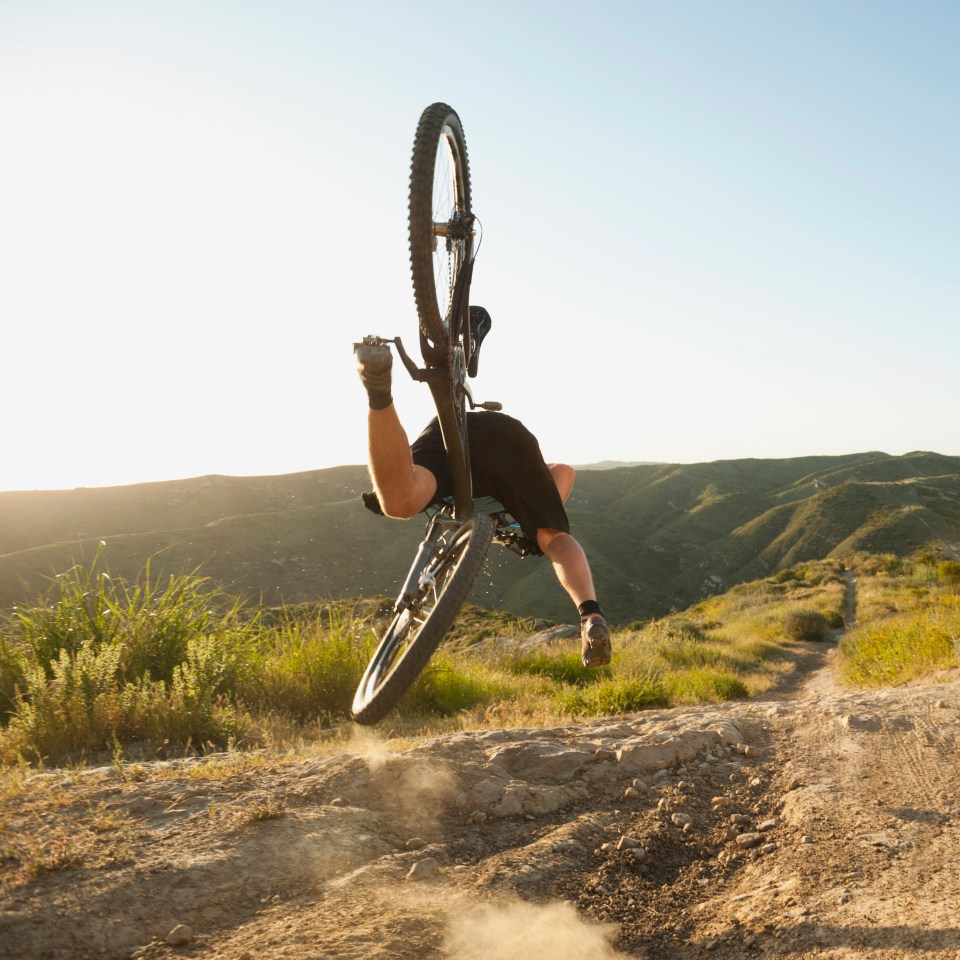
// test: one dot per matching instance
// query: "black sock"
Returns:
(588, 608)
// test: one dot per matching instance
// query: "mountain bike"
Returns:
(443, 236)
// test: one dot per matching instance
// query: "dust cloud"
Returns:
(512, 929)
(370, 747)
(413, 790)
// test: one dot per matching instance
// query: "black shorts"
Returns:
(506, 464)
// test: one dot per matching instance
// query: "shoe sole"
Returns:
(599, 659)
(596, 663)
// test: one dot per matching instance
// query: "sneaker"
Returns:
(374, 364)
(480, 324)
(595, 650)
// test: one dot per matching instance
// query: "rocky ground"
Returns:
(821, 823)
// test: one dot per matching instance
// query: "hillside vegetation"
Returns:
(660, 536)
(149, 668)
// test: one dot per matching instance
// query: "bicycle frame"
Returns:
(444, 520)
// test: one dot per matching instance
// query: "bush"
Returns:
(949, 572)
(894, 565)
(806, 625)
(99, 662)
(784, 576)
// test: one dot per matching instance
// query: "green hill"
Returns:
(659, 536)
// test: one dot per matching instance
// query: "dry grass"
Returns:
(265, 689)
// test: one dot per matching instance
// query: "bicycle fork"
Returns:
(417, 576)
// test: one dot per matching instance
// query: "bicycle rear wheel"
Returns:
(441, 224)
(416, 632)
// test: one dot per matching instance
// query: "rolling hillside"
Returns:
(659, 535)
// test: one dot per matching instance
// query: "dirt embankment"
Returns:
(824, 825)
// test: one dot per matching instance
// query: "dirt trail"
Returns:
(824, 825)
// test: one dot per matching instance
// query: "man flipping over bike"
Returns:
(506, 464)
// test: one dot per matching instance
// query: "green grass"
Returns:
(612, 695)
(902, 649)
(561, 668)
(99, 663)
(909, 622)
(101, 668)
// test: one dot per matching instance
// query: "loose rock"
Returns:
(180, 935)
(746, 841)
(423, 869)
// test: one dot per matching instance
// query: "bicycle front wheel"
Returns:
(441, 222)
(416, 631)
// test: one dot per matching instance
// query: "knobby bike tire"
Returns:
(376, 696)
(436, 122)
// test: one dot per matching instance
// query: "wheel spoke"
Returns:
(447, 203)
(441, 227)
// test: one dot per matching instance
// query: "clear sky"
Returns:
(711, 229)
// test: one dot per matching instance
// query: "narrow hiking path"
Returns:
(814, 673)
(822, 681)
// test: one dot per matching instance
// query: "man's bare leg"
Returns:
(573, 571)
(563, 476)
(569, 563)
(403, 487)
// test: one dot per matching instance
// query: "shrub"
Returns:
(99, 661)
(13, 672)
(894, 565)
(784, 576)
(949, 572)
(806, 625)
